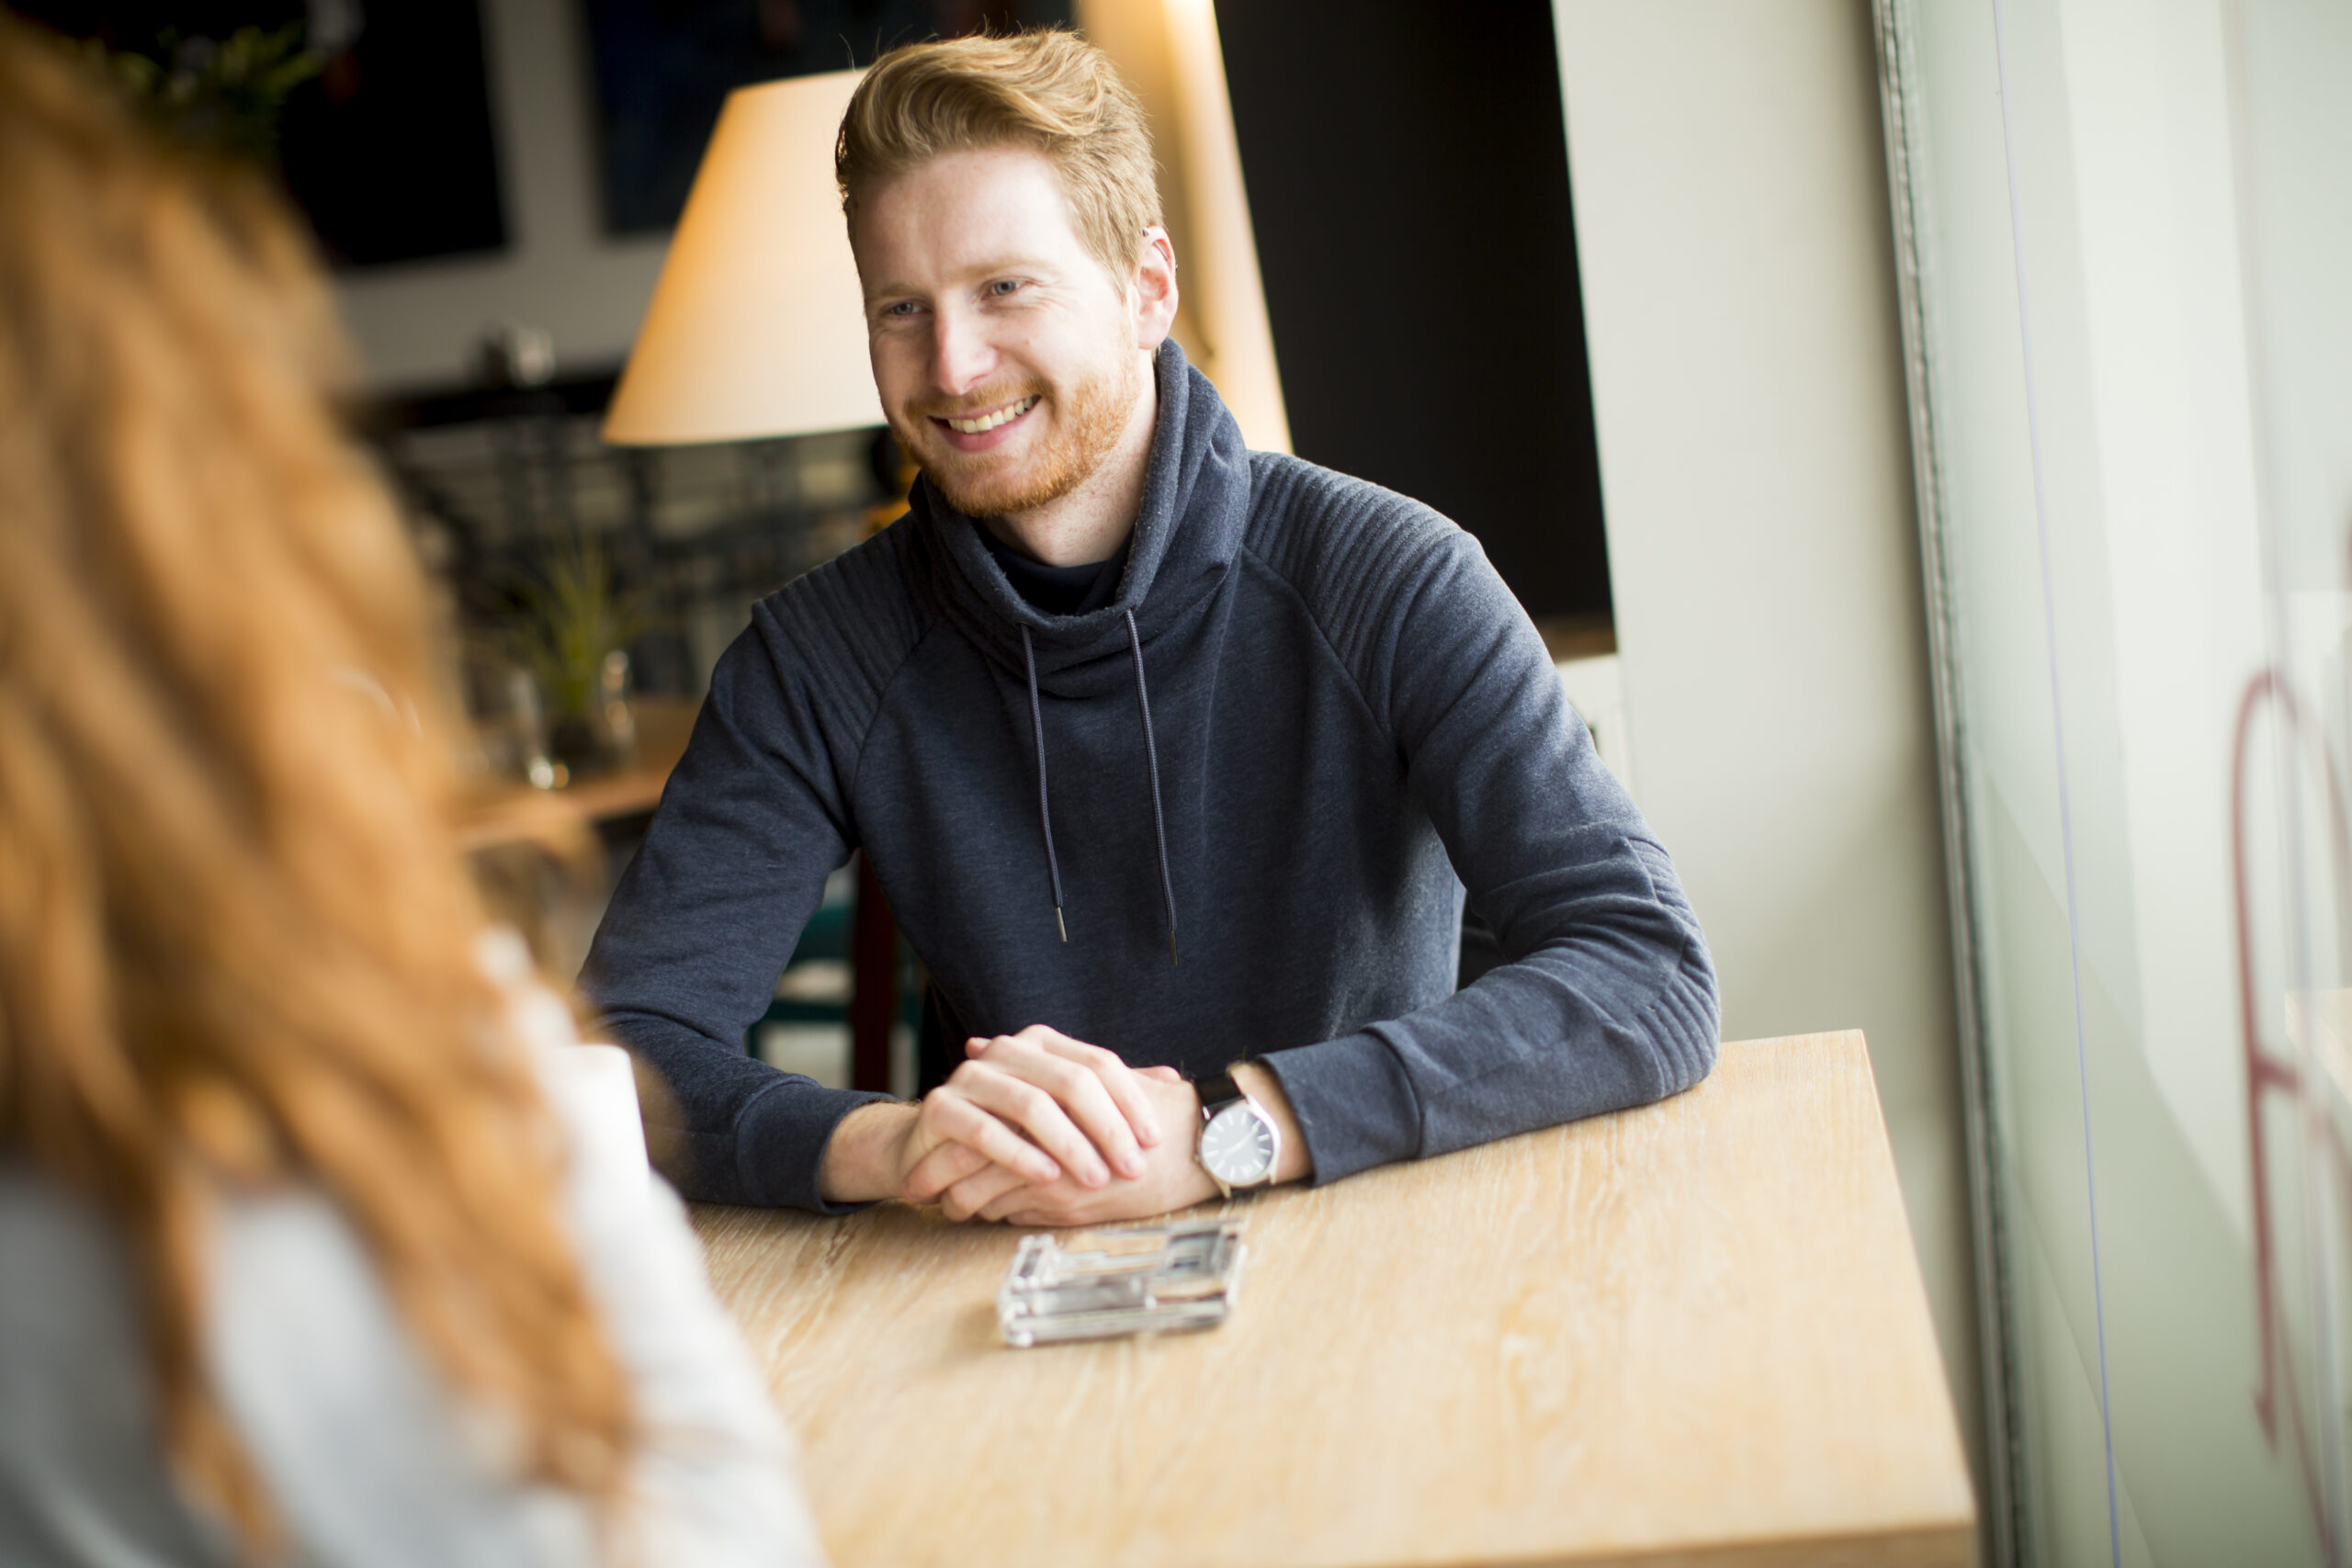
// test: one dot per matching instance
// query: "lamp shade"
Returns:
(757, 326)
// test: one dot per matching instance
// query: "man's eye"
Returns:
(1004, 285)
(900, 307)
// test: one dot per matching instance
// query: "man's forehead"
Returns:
(962, 214)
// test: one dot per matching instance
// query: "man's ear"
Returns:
(1152, 291)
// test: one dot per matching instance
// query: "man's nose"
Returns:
(961, 356)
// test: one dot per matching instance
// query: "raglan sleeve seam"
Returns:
(881, 700)
(1355, 681)
(1407, 587)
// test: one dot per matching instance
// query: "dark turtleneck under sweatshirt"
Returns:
(1250, 777)
(1057, 589)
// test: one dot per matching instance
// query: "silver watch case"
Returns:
(1239, 1145)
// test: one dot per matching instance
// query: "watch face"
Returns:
(1237, 1145)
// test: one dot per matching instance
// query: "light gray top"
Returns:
(368, 1459)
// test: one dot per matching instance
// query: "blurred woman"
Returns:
(296, 1261)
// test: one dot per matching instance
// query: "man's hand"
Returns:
(1036, 1106)
(1170, 1178)
(1173, 1178)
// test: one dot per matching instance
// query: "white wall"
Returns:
(1732, 227)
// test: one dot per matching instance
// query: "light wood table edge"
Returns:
(1951, 1546)
(1940, 1535)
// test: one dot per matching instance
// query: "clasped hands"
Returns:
(1034, 1128)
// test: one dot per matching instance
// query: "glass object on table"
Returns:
(617, 725)
(1141, 1279)
(512, 730)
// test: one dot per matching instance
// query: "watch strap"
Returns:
(1217, 1090)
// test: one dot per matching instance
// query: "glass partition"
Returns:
(2126, 242)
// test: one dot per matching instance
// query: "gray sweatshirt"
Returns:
(1251, 790)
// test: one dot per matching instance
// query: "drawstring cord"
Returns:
(1152, 752)
(1044, 817)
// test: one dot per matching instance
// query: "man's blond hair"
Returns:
(1046, 89)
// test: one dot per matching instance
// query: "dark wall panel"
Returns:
(1409, 184)
(392, 151)
(389, 149)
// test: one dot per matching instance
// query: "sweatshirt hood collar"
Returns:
(1188, 529)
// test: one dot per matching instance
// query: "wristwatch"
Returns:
(1240, 1143)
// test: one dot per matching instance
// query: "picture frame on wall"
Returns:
(663, 67)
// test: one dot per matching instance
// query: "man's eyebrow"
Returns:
(1010, 264)
(994, 267)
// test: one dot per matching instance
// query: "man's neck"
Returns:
(1088, 523)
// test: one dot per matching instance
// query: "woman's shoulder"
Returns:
(355, 1436)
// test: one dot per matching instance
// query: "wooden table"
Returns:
(1693, 1333)
(505, 811)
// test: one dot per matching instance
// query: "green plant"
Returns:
(225, 94)
(567, 618)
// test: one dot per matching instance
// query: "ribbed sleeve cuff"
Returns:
(780, 1140)
(1354, 1107)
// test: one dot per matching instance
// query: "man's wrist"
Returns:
(861, 1163)
(1293, 1163)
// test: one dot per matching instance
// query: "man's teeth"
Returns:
(1001, 416)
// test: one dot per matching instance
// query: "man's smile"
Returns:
(972, 433)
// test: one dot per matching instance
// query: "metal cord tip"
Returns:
(1058, 923)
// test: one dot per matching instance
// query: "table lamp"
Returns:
(757, 326)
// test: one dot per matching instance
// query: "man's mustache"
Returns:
(986, 400)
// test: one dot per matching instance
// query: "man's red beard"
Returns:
(1087, 425)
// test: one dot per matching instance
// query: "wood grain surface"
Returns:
(1689, 1334)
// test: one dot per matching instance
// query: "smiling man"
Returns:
(1173, 758)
